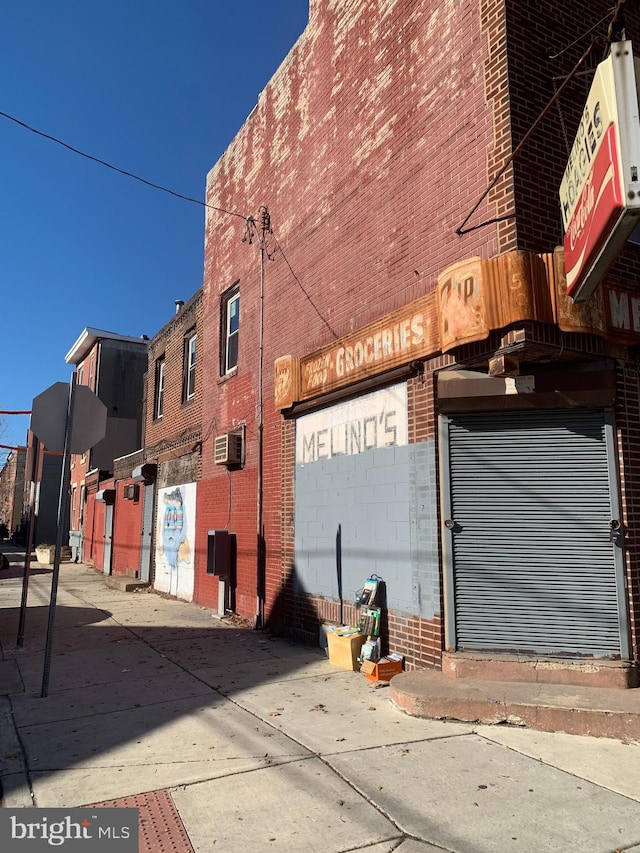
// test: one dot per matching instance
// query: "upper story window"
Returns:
(91, 368)
(189, 367)
(80, 375)
(159, 392)
(230, 330)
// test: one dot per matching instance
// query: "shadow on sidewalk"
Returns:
(135, 690)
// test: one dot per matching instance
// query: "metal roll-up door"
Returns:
(535, 567)
(147, 531)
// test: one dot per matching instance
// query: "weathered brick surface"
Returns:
(370, 145)
(179, 427)
(355, 146)
(628, 438)
(537, 32)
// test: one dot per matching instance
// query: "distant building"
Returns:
(12, 491)
(154, 488)
(113, 367)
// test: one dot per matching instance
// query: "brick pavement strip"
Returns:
(161, 829)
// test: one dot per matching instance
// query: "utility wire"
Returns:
(116, 169)
(299, 283)
(249, 220)
(460, 230)
(584, 35)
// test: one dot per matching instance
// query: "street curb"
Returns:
(15, 791)
(432, 695)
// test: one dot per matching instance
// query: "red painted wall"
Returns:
(94, 532)
(127, 526)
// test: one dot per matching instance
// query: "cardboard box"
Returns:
(382, 670)
(344, 651)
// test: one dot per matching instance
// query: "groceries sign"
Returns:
(600, 190)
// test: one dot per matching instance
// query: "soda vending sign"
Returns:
(600, 189)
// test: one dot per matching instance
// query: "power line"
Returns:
(116, 169)
(461, 229)
(300, 285)
(581, 37)
(248, 219)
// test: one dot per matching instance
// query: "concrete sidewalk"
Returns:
(229, 740)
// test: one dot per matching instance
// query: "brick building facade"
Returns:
(169, 468)
(405, 345)
(12, 489)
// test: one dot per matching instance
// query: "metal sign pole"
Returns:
(65, 480)
(35, 485)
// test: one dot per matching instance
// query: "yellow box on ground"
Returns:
(344, 650)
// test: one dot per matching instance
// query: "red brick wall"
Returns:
(228, 501)
(536, 32)
(80, 461)
(178, 433)
(371, 144)
(628, 436)
(181, 421)
(369, 147)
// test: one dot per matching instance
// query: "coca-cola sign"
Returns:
(599, 207)
(600, 190)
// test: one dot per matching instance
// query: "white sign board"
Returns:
(370, 422)
(600, 189)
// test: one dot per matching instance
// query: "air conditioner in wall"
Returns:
(228, 449)
(130, 492)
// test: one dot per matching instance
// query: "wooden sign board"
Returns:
(411, 332)
(473, 297)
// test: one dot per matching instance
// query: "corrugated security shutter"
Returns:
(533, 560)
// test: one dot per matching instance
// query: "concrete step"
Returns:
(582, 672)
(124, 583)
(597, 711)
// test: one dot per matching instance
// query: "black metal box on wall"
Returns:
(221, 548)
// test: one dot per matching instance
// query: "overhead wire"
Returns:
(250, 224)
(299, 283)
(117, 169)
(461, 229)
(581, 37)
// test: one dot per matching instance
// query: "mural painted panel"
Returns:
(175, 533)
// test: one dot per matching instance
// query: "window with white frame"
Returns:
(159, 395)
(231, 327)
(189, 368)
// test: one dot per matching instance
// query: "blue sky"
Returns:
(156, 87)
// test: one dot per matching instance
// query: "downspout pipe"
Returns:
(260, 545)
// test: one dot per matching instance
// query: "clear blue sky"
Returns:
(156, 87)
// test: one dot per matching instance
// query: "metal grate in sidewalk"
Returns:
(161, 829)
